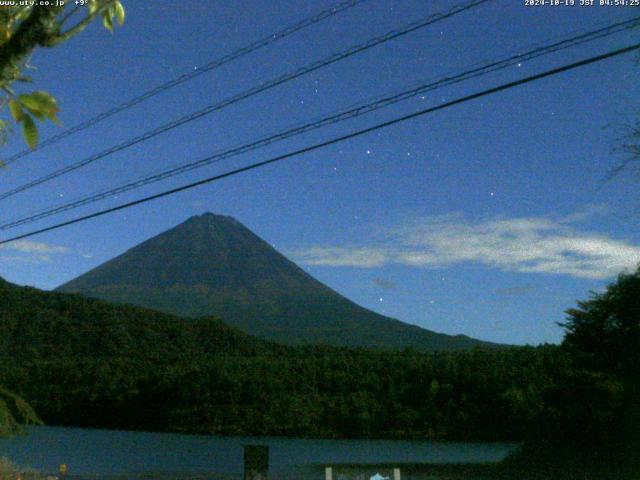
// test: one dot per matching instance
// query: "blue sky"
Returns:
(489, 218)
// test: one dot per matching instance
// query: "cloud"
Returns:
(27, 246)
(526, 244)
(28, 251)
(383, 283)
(342, 257)
(517, 291)
(589, 211)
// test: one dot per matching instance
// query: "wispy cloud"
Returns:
(343, 256)
(528, 244)
(27, 246)
(383, 283)
(28, 251)
(516, 291)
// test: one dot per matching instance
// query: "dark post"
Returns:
(256, 462)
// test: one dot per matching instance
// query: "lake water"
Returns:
(90, 452)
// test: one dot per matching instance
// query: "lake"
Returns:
(89, 452)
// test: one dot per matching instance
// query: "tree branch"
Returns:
(35, 30)
(79, 27)
(70, 14)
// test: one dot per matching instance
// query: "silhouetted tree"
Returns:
(27, 26)
(596, 407)
(603, 333)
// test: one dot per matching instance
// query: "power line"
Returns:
(353, 112)
(411, 27)
(197, 71)
(335, 140)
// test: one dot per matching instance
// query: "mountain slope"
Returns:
(213, 265)
(37, 324)
(87, 363)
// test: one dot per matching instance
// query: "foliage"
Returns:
(11, 471)
(576, 406)
(14, 413)
(603, 339)
(23, 28)
(628, 147)
(590, 423)
(7, 469)
(603, 333)
(125, 367)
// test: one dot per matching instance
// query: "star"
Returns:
(380, 299)
(368, 152)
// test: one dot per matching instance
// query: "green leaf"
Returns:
(30, 131)
(107, 21)
(53, 117)
(39, 103)
(22, 13)
(29, 102)
(16, 110)
(5, 33)
(46, 100)
(36, 113)
(119, 12)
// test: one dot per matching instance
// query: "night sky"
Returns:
(489, 218)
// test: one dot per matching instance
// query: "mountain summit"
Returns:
(214, 265)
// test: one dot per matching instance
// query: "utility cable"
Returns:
(197, 71)
(343, 115)
(411, 27)
(333, 141)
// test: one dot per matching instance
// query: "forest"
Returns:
(84, 362)
(88, 363)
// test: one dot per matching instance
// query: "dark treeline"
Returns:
(88, 363)
(576, 407)
(464, 396)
